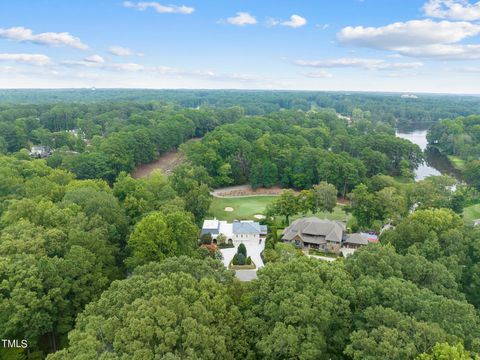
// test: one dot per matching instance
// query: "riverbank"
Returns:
(435, 162)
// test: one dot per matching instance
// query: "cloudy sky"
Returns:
(356, 45)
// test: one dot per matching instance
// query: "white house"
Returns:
(40, 151)
(245, 231)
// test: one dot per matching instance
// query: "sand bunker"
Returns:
(229, 209)
(258, 216)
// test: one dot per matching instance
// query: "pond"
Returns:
(436, 163)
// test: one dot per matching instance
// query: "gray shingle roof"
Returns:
(246, 227)
(356, 238)
(315, 230)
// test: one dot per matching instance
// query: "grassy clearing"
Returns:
(244, 208)
(337, 214)
(471, 213)
(457, 163)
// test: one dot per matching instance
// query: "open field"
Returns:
(471, 213)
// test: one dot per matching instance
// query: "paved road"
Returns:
(246, 275)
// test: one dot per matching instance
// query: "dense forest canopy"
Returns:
(299, 149)
(389, 107)
(95, 264)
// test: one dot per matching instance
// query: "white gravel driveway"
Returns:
(253, 250)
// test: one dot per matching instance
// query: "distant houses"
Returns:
(246, 231)
(325, 235)
(40, 151)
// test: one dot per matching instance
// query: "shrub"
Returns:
(206, 239)
(235, 259)
(221, 239)
(240, 259)
(242, 250)
(248, 261)
(226, 246)
(218, 255)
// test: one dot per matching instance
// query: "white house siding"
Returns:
(246, 239)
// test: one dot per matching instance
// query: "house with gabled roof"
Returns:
(326, 235)
(316, 233)
(245, 231)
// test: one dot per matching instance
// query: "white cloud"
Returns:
(471, 69)
(98, 62)
(363, 63)
(322, 26)
(453, 9)
(241, 19)
(410, 33)
(159, 8)
(130, 67)
(417, 38)
(321, 74)
(204, 74)
(295, 21)
(33, 59)
(272, 22)
(443, 51)
(122, 51)
(97, 59)
(22, 34)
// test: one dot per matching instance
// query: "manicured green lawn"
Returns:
(244, 207)
(457, 162)
(471, 213)
(337, 214)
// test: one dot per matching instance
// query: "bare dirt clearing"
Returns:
(167, 162)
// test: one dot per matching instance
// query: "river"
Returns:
(436, 163)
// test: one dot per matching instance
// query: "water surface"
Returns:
(435, 163)
(419, 137)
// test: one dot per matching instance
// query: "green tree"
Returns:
(285, 205)
(472, 173)
(311, 317)
(158, 236)
(324, 197)
(178, 309)
(242, 249)
(445, 351)
(364, 206)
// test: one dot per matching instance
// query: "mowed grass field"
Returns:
(471, 213)
(244, 208)
(457, 162)
(337, 214)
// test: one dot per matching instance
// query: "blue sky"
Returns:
(355, 45)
